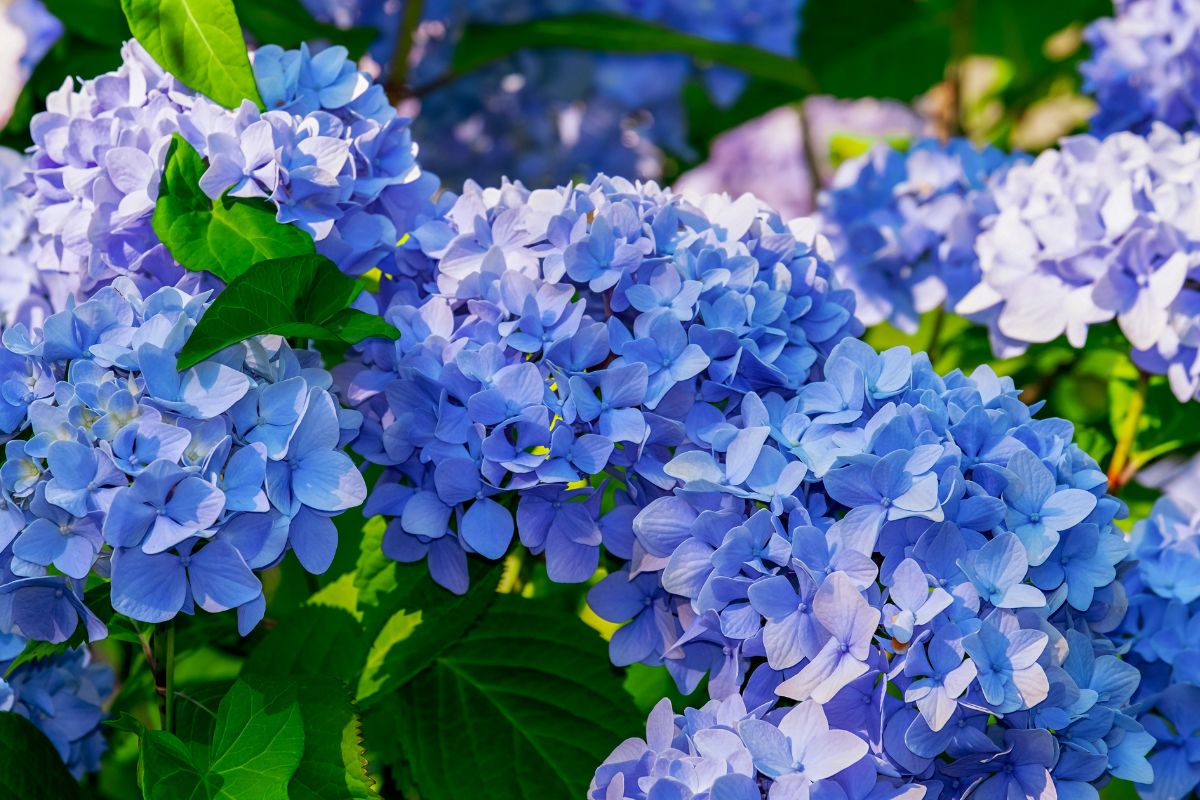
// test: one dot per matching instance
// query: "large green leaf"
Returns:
(288, 23)
(30, 767)
(876, 48)
(528, 696)
(414, 620)
(225, 236)
(305, 296)
(334, 766)
(257, 743)
(482, 44)
(198, 41)
(313, 641)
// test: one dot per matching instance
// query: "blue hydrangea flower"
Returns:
(64, 696)
(893, 585)
(1161, 631)
(903, 224)
(161, 478)
(1144, 66)
(1094, 231)
(329, 153)
(516, 375)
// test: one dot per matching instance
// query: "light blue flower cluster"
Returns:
(21, 294)
(329, 152)
(575, 338)
(928, 563)
(723, 751)
(1163, 634)
(177, 485)
(64, 696)
(1145, 66)
(1094, 230)
(903, 226)
(550, 116)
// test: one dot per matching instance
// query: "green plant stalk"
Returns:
(933, 349)
(397, 86)
(164, 673)
(1118, 474)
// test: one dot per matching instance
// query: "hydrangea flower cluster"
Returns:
(21, 295)
(1094, 230)
(726, 752)
(550, 116)
(1145, 66)
(64, 696)
(935, 576)
(903, 226)
(176, 485)
(1162, 631)
(574, 340)
(329, 152)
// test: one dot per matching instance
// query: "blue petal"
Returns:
(487, 528)
(150, 588)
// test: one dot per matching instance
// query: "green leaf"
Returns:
(257, 743)
(30, 767)
(529, 695)
(334, 766)
(196, 711)
(199, 42)
(99, 21)
(312, 641)
(876, 48)
(288, 23)
(415, 620)
(483, 44)
(294, 296)
(352, 325)
(226, 236)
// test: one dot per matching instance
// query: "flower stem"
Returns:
(164, 673)
(1118, 472)
(397, 86)
(933, 349)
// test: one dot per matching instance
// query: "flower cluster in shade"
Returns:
(1092, 231)
(574, 339)
(937, 578)
(903, 225)
(21, 294)
(64, 696)
(1162, 631)
(1145, 66)
(550, 116)
(177, 486)
(329, 152)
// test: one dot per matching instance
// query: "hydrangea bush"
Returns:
(823, 568)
